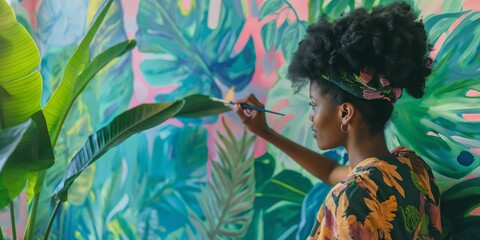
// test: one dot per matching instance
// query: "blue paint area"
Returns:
(465, 158)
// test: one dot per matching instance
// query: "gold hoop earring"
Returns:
(342, 127)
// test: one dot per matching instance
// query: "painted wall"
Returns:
(189, 178)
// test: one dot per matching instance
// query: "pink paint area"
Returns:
(456, 23)
(432, 134)
(438, 44)
(475, 151)
(130, 9)
(267, 62)
(472, 117)
(472, 5)
(472, 93)
(31, 6)
(475, 212)
(186, 5)
(260, 147)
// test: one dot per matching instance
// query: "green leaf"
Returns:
(268, 34)
(122, 127)
(288, 185)
(99, 62)
(292, 35)
(34, 152)
(59, 104)
(9, 140)
(315, 10)
(19, 55)
(269, 7)
(227, 199)
(12, 182)
(20, 83)
(198, 105)
(465, 228)
(264, 168)
(458, 201)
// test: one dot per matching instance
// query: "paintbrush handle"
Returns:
(246, 106)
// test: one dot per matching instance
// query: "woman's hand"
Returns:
(254, 120)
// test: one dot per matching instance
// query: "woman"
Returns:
(356, 68)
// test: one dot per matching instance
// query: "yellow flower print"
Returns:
(381, 216)
(342, 223)
(390, 176)
(405, 160)
(364, 182)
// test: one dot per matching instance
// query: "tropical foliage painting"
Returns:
(206, 177)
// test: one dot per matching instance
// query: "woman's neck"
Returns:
(361, 146)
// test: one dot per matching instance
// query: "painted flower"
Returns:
(371, 94)
(384, 81)
(397, 92)
(365, 77)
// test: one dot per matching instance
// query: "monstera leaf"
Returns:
(334, 9)
(195, 46)
(280, 201)
(227, 199)
(443, 125)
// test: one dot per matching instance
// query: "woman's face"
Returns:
(326, 119)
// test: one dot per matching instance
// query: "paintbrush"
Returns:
(245, 106)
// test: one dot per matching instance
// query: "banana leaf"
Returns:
(128, 123)
(122, 127)
(61, 101)
(9, 140)
(25, 148)
(20, 83)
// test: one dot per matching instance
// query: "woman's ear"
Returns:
(347, 112)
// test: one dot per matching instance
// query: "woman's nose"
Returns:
(311, 116)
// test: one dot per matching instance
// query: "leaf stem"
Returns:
(12, 219)
(50, 223)
(29, 231)
(293, 9)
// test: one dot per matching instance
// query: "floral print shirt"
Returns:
(392, 198)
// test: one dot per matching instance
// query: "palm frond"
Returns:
(227, 199)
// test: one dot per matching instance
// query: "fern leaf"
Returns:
(227, 198)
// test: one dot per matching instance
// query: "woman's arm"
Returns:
(318, 165)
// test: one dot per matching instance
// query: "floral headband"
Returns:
(362, 87)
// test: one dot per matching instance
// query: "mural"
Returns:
(206, 178)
